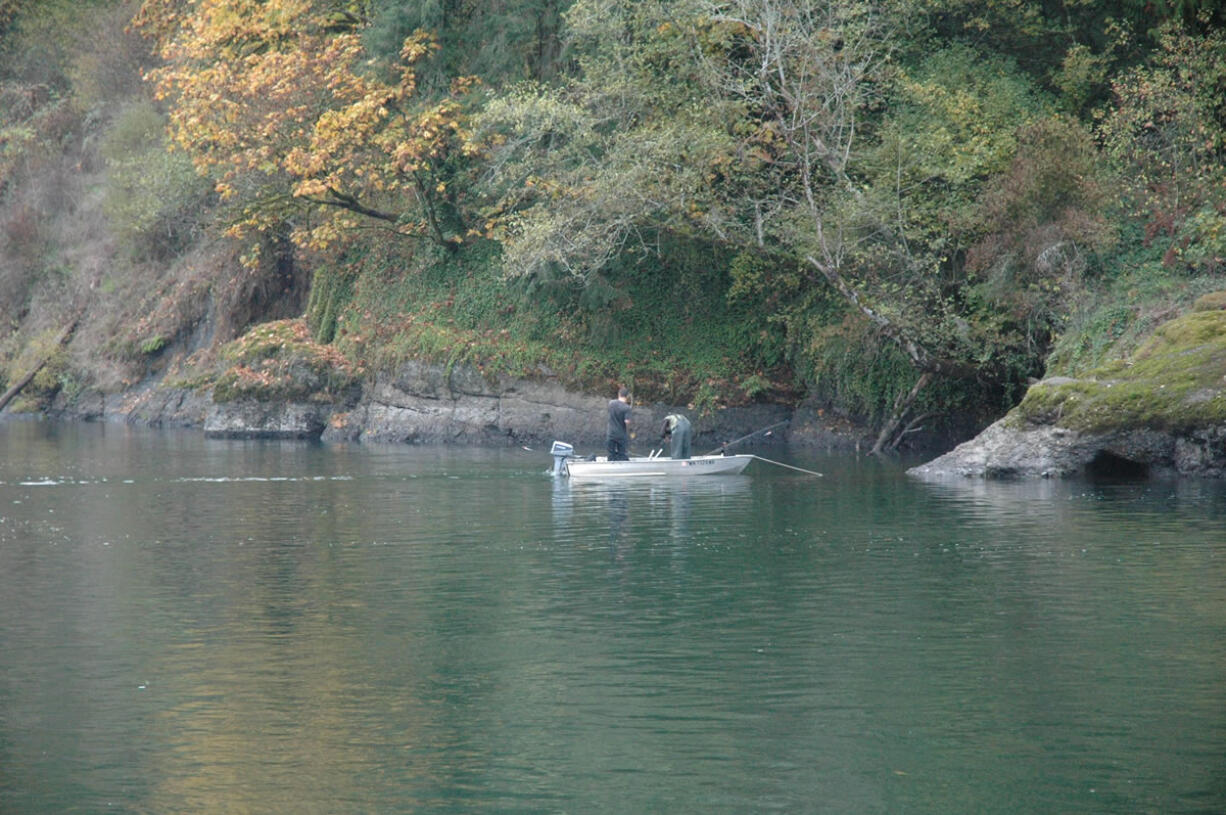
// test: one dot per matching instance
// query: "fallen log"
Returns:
(65, 335)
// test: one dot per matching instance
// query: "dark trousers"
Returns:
(679, 443)
(617, 450)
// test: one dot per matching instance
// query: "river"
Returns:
(204, 626)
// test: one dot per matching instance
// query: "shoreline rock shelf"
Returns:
(1162, 411)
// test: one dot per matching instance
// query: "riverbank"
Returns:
(1159, 411)
(432, 403)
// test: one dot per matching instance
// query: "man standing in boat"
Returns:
(617, 438)
(678, 431)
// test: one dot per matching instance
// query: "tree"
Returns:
(1166, 132)
(742, 119)
(810, 79)
(501, 42)
(277, 103)
(782, 125)
(897, 164)
(599, 167)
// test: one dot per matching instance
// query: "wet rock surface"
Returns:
(1007, 451)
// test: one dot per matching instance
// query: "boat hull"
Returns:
(658, 467)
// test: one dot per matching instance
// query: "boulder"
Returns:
(251, 419)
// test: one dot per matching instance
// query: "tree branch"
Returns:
(901, 406)
(340, 199)
(920, 356)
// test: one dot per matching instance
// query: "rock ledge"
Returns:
(1005, 451)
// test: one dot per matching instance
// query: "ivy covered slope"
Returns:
(278, 361)
(895, 212)
(675, 334)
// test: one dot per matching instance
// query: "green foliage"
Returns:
(41, 347)
(1040, 226)
(1167, 136)
(957, 211)
(1115, 317)
(1071, 45)
(48, 381)
(679, 332)
(153, 344)
(331, 292)
(1054, 170)
(155, 201)
(956, 123)
(499, 42)
(850, 367)
(107, 59)
(1091, 339)
(74, 47)
(1203, 245)
(8, 10)
(1202, 15)
(621, 153)
(34, 123)
(1213, 301)
(666, 327)
(1081, 77)
(37, 42)
(961, 111)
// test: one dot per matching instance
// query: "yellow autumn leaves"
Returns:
(289, 114)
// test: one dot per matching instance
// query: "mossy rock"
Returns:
(1176, 381)
(1214, 301)
(280, 362)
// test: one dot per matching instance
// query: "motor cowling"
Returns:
(561, 451)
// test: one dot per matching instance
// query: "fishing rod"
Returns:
(767, 460)
(726, 445)
(790, 467)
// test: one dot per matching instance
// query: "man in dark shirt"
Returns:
(617, 438)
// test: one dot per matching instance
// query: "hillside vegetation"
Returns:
(895, 210)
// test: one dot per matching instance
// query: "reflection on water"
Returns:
(190, 625)
(659, 504)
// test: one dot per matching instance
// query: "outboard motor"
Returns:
(560, 452)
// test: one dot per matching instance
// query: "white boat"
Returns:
(566, 463)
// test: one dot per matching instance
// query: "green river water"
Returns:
(201, 626)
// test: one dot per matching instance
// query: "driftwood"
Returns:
(65, 335)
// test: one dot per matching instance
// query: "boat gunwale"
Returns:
(670, 467)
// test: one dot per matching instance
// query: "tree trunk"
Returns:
(919, 355)
(901, 406)
(926, 363)
(913, 426)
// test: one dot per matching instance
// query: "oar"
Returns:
(748, 436)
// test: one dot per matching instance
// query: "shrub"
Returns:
(155, 201)
(279, 361)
